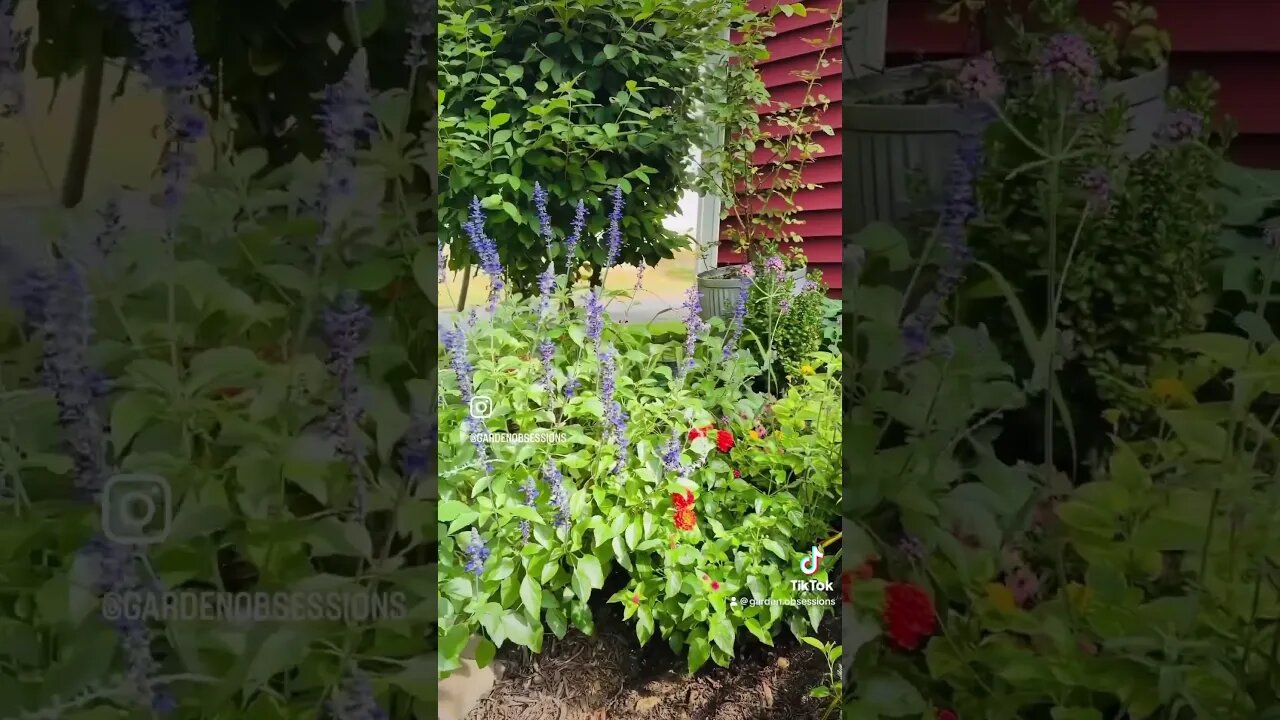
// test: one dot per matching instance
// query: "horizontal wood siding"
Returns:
(792, 51)
(1234, 41)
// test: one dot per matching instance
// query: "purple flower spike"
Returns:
(166, 56)
(547, 351)
(422, 24)
(694, 326)
(477, 553)
(487, 248)
(614, 234)
(346, 124)
(595, 317)
(559, 496)
(615, 418)
(571, 244)
(346, 325)
(739, 317)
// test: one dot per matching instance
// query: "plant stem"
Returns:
(81, 152)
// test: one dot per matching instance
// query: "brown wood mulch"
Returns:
(608, 676)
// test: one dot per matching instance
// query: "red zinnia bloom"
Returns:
(908, 614)
(736, 473)
(724, 441)
(635, 599)
(685, 517)
(695, 433)
(715, 584)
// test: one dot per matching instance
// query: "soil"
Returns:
(609, 676)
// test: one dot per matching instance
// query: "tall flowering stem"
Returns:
(614, 234)
(739, 311)
(346, 325)
(694, 326)
(615, 417)
(346, 124)
(455, 343)
(559, 496)
(571, 243)
(487, 248)
(595, 317)
(166, 56)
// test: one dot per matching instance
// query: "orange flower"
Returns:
(685, 517)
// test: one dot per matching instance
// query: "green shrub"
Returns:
(579, 98)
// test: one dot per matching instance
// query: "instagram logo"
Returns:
(809, 563)
(136, 509)
(481, 407)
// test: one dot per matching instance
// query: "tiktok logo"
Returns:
(809, 563)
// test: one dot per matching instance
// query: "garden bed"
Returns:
(609, 675)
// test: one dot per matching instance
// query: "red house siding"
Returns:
(1235, 42)
(791, 52)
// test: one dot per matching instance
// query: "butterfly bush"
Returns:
(612, 455)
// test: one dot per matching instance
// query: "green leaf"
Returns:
(372, 275)
(892, 696)
(531, 596)
(699, 652)
(130, 414)
(589, 568)
(611, 51)
(424, 271)
(721, 633)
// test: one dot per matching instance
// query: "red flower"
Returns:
(724, 441)
(908, 615)
(947, 715)
(685, 517)
(715, 584)
(635, 599)
(695, 433)
(737, 473)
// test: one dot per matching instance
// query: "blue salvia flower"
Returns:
(595, 317)
(13, 44)
(346, 325)
(614, 234)
(671, 452)
(345, 123)
(419, 445)
(530, 490)
(559, 496)
(487, 248)
(477, 553)
(547, 350)
(455, 342)
(694, 326)
(540, 205)
(30, 293)
(959, 208)
(422, 24)
(116, 571)
(614, 417)
(571, 386)
(167, 58)
(571, 244)
(546, 284)
(474, 428)
(739, 317)
(355, 700)
(59, 308)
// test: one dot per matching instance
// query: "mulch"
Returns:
(609, 676)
